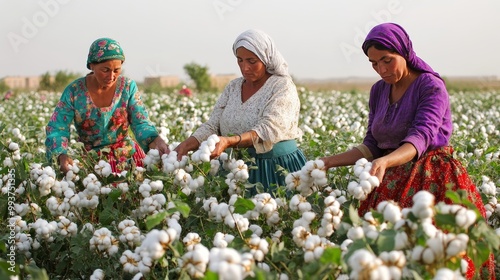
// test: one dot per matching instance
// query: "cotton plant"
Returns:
(104, 242)
(360, 190)
(310, 179)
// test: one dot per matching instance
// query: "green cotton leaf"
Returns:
(445, 220)
(332, 256)
(155, 219)
(386, 240)
(241, 206)
(108, 215)
(454, 197)
(490, 236)
(114, 195)
(478, 253)
(37, 273)
(182, 207)
(210, 275)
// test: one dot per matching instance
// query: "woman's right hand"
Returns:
(65, 163)
(186, 146)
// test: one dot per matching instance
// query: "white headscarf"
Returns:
(263, 47)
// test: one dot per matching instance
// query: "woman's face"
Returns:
(250, 65)
(107, 72)
(389, 65)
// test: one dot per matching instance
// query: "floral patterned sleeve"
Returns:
(142, 127)
(58, 129)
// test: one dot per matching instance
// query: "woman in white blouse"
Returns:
(259, 111)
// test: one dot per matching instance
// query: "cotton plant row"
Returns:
(331, 116)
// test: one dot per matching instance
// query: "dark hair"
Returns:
(373, 43)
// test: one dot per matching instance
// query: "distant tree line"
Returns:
(58, 82)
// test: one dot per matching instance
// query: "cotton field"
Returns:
(190, 219)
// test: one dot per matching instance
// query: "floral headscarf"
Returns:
(104, 49)
(263, 47)
(394, 37)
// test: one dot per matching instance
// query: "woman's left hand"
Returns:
(159, 145)
(220, 147)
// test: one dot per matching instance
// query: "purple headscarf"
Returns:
(394, 37)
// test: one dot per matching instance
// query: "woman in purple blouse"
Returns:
(409, 127)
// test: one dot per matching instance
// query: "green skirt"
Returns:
(284, 154)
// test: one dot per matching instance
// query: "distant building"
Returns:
(22, 82)
(163, 81)
(220, 81)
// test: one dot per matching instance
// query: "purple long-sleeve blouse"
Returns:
(421, 117)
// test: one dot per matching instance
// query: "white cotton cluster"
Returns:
(227, 263)
(152, 159)
(423, 205)
(309, 179)
(259, 247)
(150, 205)
(44, 230)
(332, 216)
(44, 177)
(440, 246)
(266, 206)
(464, 217)
(390, 210)
(360, 190)
(104, 242)
(65, 227)
(187, 183)
(305, 220)
(492, 207)
(365, 265)
(215, 165)
(89, 197)
(16, 132)
(148, 186)
(190, 240)
(448, 274)
(22, 208)
(23, 243)
(103, 168)
(58, 206)
(152, 248)
(238, 175)
(205, 149)
(488, 186)
(130, 234)
(170, 162)
(72, 174)
(98, 274)
(222, 212)
(195, 261)
(156, 242)
(314, 246)
(15, 154)
(371, 227)
(18, 223)
(222, 240)
(299, 203)
(300, 235)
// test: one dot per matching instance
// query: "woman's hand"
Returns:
(221, 146)
(65, 163)
(185, 146)
(378, 168)
(160, 145)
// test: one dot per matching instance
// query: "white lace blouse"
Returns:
(272, 112)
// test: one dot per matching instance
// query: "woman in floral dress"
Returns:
(103, 106)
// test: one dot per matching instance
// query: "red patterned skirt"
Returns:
(436, 172)
(118, 164)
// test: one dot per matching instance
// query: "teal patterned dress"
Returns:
(100, 127)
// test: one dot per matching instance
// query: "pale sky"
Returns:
(318, 38)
